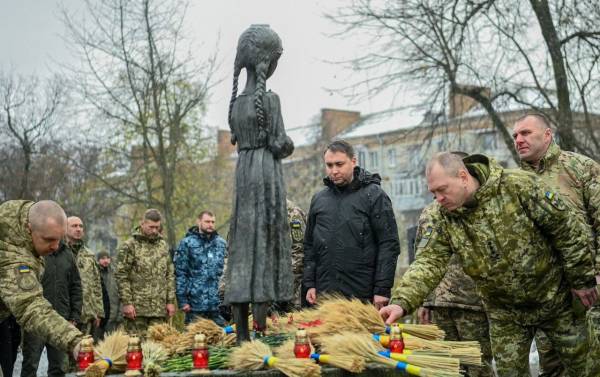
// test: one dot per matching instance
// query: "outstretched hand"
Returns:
(391, 313)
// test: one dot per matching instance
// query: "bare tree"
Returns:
(28, 113)
(148, 91)
(508, 53)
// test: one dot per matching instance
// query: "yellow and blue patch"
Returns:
(24, 269)
(554, 199)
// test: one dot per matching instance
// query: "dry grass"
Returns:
(468, 352)
(114, 348)
(160, 331)
(362, 345)
(427, 361)
(154, 355)
(350, 363)
(251, 356)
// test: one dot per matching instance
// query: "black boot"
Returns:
(240, 318)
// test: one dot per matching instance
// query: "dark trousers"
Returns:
(10, 338)
(32, 352)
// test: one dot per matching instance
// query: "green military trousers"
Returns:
(566, 332)
(464, 324)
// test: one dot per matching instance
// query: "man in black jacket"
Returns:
(62, 288)
(351, 243)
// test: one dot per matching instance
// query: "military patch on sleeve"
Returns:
(554, 199)
(425, 237)
(26, 279)
(297, 235)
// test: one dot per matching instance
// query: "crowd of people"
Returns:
(503, 256)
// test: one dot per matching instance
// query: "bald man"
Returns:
(577, 179)
(92, 310)
(28, 232)
(523, 248)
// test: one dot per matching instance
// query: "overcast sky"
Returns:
(30, 42)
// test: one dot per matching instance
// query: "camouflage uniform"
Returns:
(524, 250)
(577, 179)
(456, 307)
(297, 220)
(146, 279)
(91, 286)
(20, 289)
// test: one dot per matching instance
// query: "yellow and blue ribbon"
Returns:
(324, 359)
(270, 361)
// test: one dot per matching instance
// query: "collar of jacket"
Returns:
(138, 235)
(546, 162)
(488, 173)
(361, 178)
(195, 231)
(76, 246)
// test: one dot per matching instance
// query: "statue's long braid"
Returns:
(236, 76)
(259, 92)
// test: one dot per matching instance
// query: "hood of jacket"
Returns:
(488, 172)
(362, 178)
(139, 236)
(195, 232)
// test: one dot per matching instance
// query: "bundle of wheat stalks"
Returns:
(154, 355)
(362, 345)
(175, 342)
(110, 353)
(335, 314)
(256, 355)
(468, 352)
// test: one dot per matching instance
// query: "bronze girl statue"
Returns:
(259, 261)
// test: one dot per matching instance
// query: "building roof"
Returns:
(382, 122)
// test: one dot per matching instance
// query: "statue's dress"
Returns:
(259, 267)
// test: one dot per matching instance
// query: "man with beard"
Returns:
(199, 262)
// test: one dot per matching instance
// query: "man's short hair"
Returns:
(102, 254)
(205, 212)
(451, 162)
(543, 118)
(44, 210)
(152, 215)
(340, 146)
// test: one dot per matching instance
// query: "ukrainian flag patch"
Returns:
(555, 200)
(24, 269)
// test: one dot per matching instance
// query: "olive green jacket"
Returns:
(577, 179)
(518, 241)
(145, 275)
(20, 273)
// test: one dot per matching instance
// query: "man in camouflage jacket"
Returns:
(577, 179)
(524, 250)
(297, 220)
(455, 305)
(92, 310)
(145, 276)
(28, 232)
(199, 262)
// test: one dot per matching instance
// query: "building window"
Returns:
(361, 159)
(391, 157)
(374, 160)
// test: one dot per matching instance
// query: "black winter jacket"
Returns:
(62, 284)
(351, 242)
